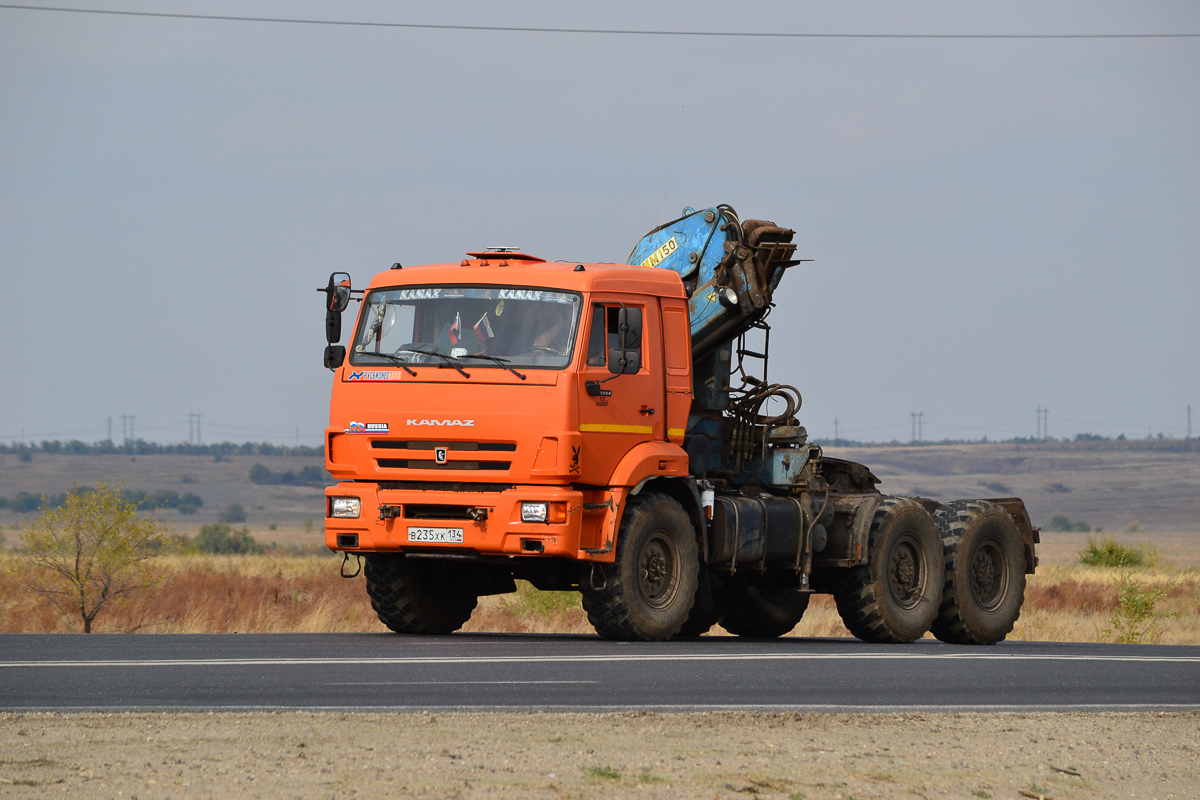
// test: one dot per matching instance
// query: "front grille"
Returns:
(438, 512)
(482, 466)
(440, 486)
(393, 444)
(428, 449)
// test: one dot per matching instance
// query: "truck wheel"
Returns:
(700, 620)
(985, 573)
(894, 597)
(759, 612)
(647, 593)
(698, 623)
(417, 596)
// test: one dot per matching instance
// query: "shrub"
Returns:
(164, 498)
(1109, 553)
(311, 475)
(1061, 523)
(220, 538)
(232, 513)
(25, 502)
(1134, 619)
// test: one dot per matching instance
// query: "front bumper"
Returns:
(387, 515)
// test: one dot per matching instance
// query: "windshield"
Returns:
(484, 326)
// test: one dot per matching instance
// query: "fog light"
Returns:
(345, 507)
(534, 512)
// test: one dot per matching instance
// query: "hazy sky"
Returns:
(997, 225)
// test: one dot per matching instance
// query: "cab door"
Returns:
(619, 411)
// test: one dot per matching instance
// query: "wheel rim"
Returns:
(988, 575)
(906, 572)
(658, 570)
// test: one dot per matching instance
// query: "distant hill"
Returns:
(1107, 484)
(290, 488)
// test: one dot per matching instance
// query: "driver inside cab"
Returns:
(555, 335)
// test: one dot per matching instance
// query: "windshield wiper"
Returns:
(496, 359)
(450, 360)
(401, 364)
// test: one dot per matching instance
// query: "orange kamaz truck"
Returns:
(610, 429)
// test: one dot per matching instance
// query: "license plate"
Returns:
(439, 535)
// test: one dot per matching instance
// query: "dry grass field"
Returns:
(277, 592)
(269, 593)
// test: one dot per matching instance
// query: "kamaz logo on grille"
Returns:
(443, 423)
(440, 455)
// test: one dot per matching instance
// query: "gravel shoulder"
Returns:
(637, 754)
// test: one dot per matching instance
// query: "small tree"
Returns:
(232, 513)
(219, 537)
(1135, 617)
(92, 552)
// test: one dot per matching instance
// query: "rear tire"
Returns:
(418, 595)
(985, 573)
(895, 596)
(649, 591)
(759, 612)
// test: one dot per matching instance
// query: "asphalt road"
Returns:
(371, 672)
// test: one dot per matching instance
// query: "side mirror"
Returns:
(333, 326)
(335, 354)
(628, 359)
(624, 362)
(629, 325)
(337, 293)
(337, 297)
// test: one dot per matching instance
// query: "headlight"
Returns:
(551, 513)
(534, 512)
(345, 507)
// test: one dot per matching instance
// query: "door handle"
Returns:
(647, 410)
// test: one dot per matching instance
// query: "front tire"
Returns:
(985, 573)
(701, 619)
(417, 595)
(647, 593)
(895, 596)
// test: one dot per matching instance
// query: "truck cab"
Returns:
(505, 407)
